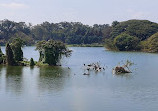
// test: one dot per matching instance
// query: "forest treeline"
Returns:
(131, 35)
(67, 32)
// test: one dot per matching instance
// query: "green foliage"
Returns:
(151, 44)
(10, 28)
(16, 45)
(109, 44)
(32, 63)
(9, 56)
(78, 33)
(131, 35)
(67, 32)
(125, 42)
(27, 39)
(138, 28)
(114, 23)
(51, 51)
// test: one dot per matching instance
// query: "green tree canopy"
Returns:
(16, 45)
(51, 51)
(138, 28)
(125, 42)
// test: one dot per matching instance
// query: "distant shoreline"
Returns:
(85, 45)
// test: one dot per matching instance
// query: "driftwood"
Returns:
(124, 68)
(119, 70)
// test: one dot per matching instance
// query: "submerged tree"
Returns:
(9, 55)
(51, 51)
(16, 45)
(124, 68)
(32, 63)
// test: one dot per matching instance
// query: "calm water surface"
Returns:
(63, 89)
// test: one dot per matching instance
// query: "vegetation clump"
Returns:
(32, 63)
(125, 42)
(52, 51)
(9, 55)
(16, 46)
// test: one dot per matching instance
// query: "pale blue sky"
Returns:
(85, 11)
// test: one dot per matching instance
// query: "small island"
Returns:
(51, 52)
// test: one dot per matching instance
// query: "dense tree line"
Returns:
(67, 32)
(124, 36)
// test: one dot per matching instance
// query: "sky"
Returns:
(86, 11)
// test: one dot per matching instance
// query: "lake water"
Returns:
(63, 89)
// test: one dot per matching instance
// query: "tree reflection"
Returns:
(52, 78)
(1, 70)
(1, 76)
(126, 75)
(14, 79)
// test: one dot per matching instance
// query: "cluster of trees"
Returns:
(67, 32)
(50, 53)
(133, 35)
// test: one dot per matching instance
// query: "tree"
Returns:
(16, 45)
(32, 63)
(51, 51)
(125, 42)
(114, 23)
(9, 56)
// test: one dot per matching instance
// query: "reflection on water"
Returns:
(14, 78)
(63, 88)
(52, 78)
(41, 79)
(126, 75)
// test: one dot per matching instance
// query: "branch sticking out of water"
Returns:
(124, 68)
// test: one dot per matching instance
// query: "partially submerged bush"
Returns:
(52, 51)
(32, 63)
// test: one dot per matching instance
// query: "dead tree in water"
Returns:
(124, 68)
